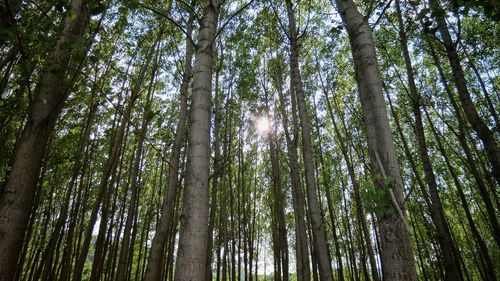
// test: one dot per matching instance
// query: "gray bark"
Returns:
(318, 230)
(192, 252)
(156, 256)
(398, 262)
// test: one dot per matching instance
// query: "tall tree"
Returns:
(156, 255)
(318, 231)
(192, 253)
(398, 262)
(484, 133)
(450, 253)
(49, 96)
(277, 70)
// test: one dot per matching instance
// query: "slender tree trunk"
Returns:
(156, 255)
(486, 93)
(398, 262)
(318, 231)
(485, 134)
(298, 200)
(51, 92)
(192, 253)
(451, 255)
(217, 169)
(280, 243)
(483, 191)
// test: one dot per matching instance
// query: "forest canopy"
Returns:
(249, 140)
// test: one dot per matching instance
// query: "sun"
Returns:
(263, 125)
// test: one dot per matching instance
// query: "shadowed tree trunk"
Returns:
(318, 231)
(398, 262)
(8, 12)
(477, 123)
(49, 96)
(156, 255)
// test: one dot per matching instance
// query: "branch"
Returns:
(232, 16)
(279, 20)
(190, 8)
(307, 22)
(381, 14)
(176, 24)
(391, 192)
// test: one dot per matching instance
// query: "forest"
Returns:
(294, 140)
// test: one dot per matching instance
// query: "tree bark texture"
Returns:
(398, 262)
(50, 93)
(192, 252)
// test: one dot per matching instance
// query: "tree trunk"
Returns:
(298, 201)
(50, 94)
(216, 170)
(478, 124)
(450, 253)
(280, 243)
(398, 262)
(318, 231)
(156, 255)
(192, 253)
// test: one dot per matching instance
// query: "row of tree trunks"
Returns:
(279, 229)
(109, 176)
(471, 162)
(450, 253)
(134, 183)
(350, 167)
(298, 197)
(478, 125)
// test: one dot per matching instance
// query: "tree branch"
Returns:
(232, 16)
(175, 23)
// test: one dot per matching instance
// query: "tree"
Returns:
(49, 96)
(192, 252)
(397, 253)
